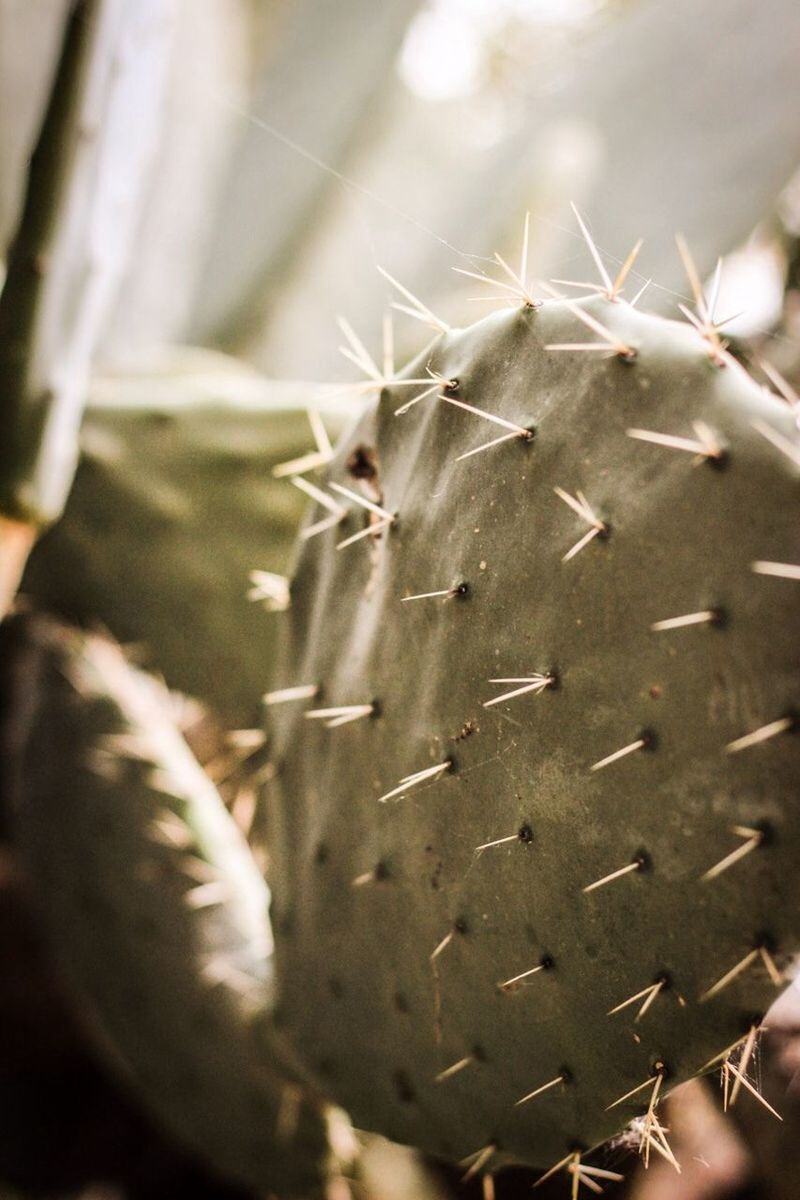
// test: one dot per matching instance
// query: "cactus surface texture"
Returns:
(445, 964)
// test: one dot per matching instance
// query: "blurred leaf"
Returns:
(30, 37)
(325, 72)
(74, 237)
(670, 117)
(185, 200)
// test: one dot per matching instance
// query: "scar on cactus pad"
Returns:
(595, 514)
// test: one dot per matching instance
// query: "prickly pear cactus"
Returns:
(535, 853)
(184, 493)
(156, 909)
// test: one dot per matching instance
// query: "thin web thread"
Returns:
(389, 206)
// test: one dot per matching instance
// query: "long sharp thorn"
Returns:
(375, 375)
(598, 262)
(417, 778)
(455, 1069)
(419, 310)
(622, 275)
(404, 408)
(692, 275)
(650, 1082)
(505, 437)
(562, 1162)
(773, 729)
(784, 388)
(640, 293)
(714, 297)
(698, 618)
(592, 323)
(388, 345)
(601, 1173)
(317, 494)
(285, 695)
(319, 431)
(729, 976)
(636, 865)
(769, 962)
(705, 447)
(523, 262)
(520, 430)
(753, 1091)
(536, 683)
(639, 744)
(508, 983)
(498, 283)
(363, 501)
(320, 526)
(744, 1061)
(358, 351)
(367, 531)
(477, 1161)
(631, 1000)
(754, 838)
(306, 462)
(545, 1087)
(780, 570)
(778, 440)
(579, 545)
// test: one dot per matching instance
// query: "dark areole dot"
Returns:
(363, 463)
(644, 861)
(403, 1087)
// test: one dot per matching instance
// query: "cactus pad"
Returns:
(445, 964)
(156, 910)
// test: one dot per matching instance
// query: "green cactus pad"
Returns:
(172, 507)
(156, 910)
(397, 935)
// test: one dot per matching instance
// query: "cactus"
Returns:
(535, 735)
(156, 908)
(182, 488)
(533, 738)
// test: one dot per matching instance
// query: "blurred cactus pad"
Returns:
(176, 475)
(538, 683)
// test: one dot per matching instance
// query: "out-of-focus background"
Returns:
(264, 158)
(301, 142)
